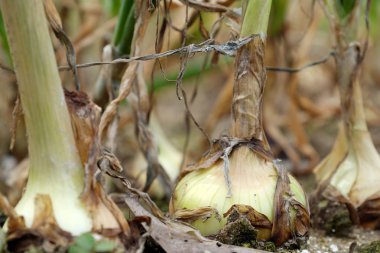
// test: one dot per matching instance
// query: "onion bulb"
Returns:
(253, 183)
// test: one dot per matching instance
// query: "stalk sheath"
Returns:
(250, 74)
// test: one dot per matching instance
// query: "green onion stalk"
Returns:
(238, 187)
(347, 178)
(120, 46)
(57, 176)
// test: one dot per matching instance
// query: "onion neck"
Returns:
(54, 159)
(250, 74)
(348, 62)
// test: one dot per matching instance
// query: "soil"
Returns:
(320, 243)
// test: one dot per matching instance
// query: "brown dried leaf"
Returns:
(369, 212)
(16, 116)
(290, 218)
(108, 162)
(257, 220)
(14, 221)
(52, 15)
(203, 6)
(125, 88)
(173, 236)
(107, 217)
(84, 116)
(190, 215)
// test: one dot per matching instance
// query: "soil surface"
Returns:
(320, 243)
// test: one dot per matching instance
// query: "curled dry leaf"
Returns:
(106, 217)
(124, 90)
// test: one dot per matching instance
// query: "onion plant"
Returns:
(56, 173)
(348, 176)
(239, 181)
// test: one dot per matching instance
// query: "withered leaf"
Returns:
(84, 115)
(290, 218)
(369, 212)
(256, 219)
(190, 215)
(173, 236)
(16, 117)
(204, 6)
(14, 221)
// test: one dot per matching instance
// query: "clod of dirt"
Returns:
(332, 217)
(373, 247)
(241, 233)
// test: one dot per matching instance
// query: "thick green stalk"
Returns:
(4, 40)
(55, 166)
(256, 18)
(122, 37)
(124, 45)
(250, 74)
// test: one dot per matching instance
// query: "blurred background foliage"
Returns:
(301, 110)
